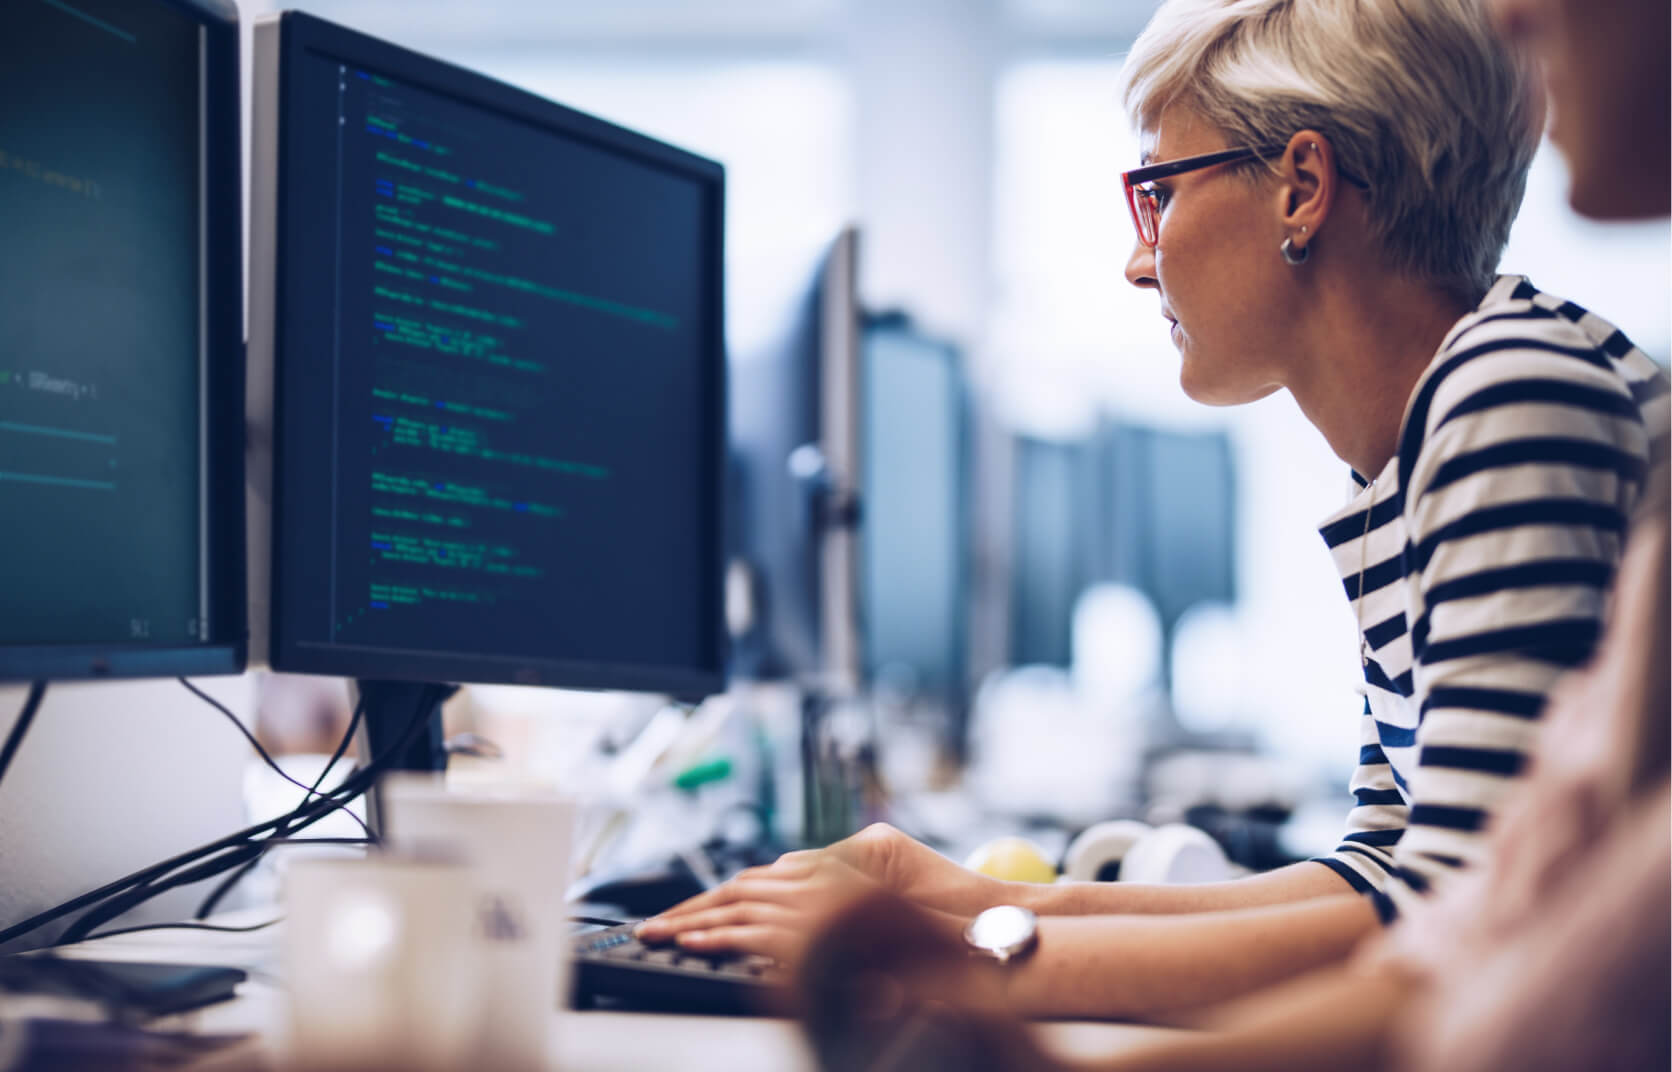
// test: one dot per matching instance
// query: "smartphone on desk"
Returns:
(136, 989)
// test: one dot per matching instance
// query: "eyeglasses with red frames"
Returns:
(1145, 200)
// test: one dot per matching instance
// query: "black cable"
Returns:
(260, 751)
(31, 704)
(241, 856)
(124, 901)
(236, 850)
(342, 745)
(186, 927)
(351, 788)
(226, 886)
(239, 853)
(211, 902)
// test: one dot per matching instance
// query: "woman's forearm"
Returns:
(1328, 1020)
(1286, 885)
(1145, 967)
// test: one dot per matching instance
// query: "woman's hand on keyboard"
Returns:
(771, 910)
(908, 868)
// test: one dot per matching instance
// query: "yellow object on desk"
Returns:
(1013, 859)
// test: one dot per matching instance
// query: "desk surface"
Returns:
(582, 1042)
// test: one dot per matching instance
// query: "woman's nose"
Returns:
(1140, 267)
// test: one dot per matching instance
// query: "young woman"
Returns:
(1327, 188)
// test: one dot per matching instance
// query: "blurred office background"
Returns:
(978, 145)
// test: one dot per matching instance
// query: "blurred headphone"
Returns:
(1126, 850)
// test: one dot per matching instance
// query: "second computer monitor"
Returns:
(916, 552)
(797, 436)
(498, 384)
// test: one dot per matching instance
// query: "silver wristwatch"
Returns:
(1003, 933)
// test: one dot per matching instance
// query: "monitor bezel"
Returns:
(221, 414)
(297, 33)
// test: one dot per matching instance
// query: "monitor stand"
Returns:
(389, 708)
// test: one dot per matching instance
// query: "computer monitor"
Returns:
(486, 336)
(1167, 504)
(121, 418)
(795, 428)
(916, 575)
(1054, 541)
(1153, 508)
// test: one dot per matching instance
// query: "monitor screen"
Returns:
(916, 547)
(1054, 542)
(121, 315)
(499, 381)
(1168, 515)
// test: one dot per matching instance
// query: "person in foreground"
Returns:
(1553, 954)
(1328, 187)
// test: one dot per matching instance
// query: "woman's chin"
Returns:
(1211, 392)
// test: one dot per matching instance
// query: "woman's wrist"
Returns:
(1034, 896)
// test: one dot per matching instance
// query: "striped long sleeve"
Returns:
(1480, 572)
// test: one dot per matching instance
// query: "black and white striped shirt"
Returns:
(1480, 572)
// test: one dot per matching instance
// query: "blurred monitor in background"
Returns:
(795, 478)
(915, 551)
(1054, 546)
(1167, 518)
(1150, 508)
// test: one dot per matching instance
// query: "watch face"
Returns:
(1003, 930)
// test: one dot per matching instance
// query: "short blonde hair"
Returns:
(1417, 97)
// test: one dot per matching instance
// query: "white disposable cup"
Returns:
(517, 844)
(378, 965)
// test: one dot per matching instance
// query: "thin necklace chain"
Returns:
(1364, 556)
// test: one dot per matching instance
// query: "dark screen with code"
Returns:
(101, 338)
(495, 405)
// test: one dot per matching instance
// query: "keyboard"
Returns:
(615, 969)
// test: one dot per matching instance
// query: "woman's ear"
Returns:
(1308, 186)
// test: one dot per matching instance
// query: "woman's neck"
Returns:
(1369, 342)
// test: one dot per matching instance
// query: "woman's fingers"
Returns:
(738, 891)
(791, 867)
(782, 944)
(735, 914)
